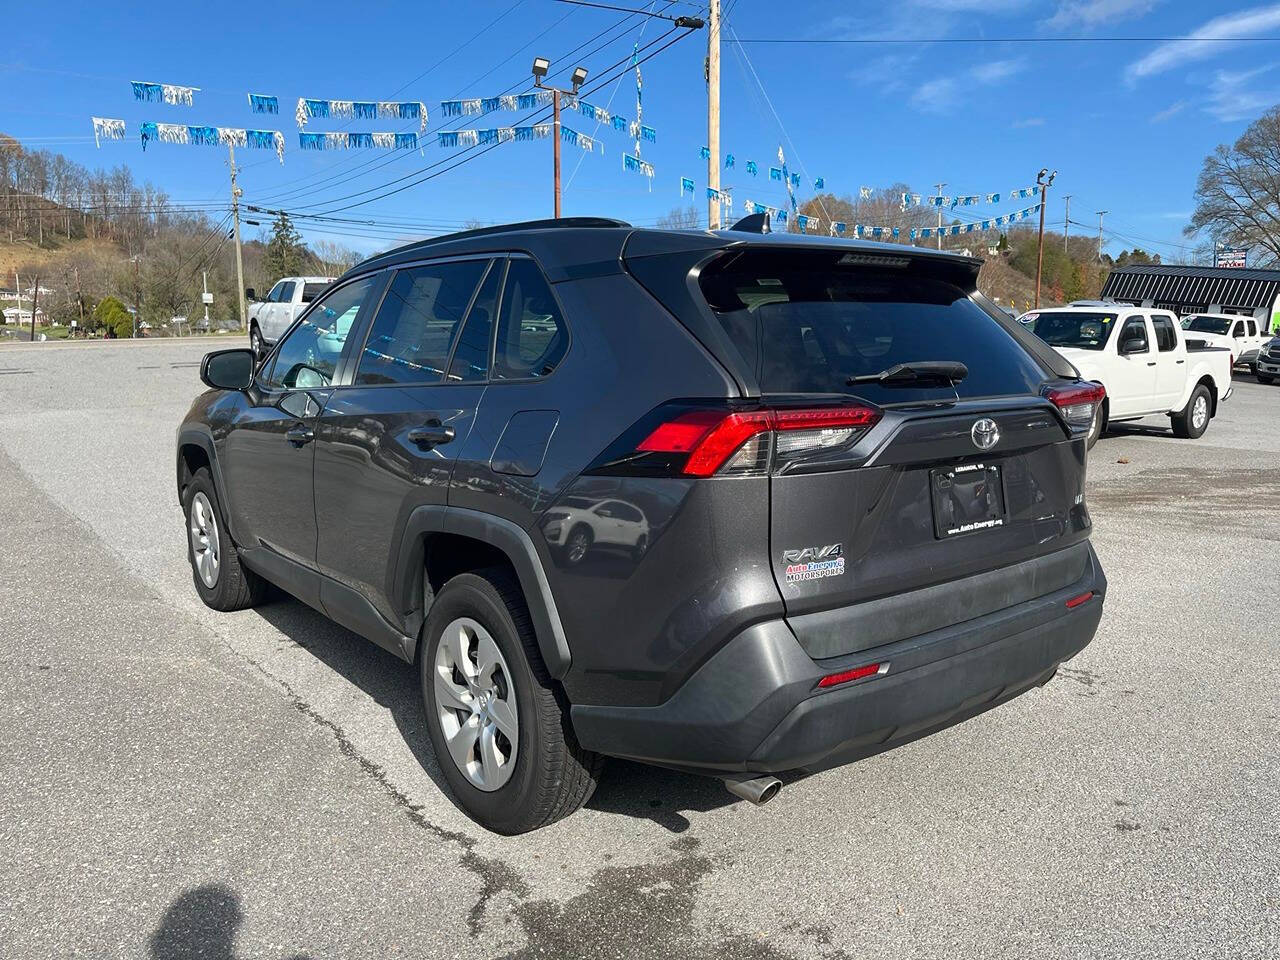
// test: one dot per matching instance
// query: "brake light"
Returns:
(738, 440)
(1077, 402)
(1076, 601)
(857, 673)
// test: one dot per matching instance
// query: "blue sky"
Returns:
(1126, 124)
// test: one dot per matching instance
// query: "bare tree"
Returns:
(333, 257)
(681, 218)
(1238, 191)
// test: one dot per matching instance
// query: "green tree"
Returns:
(286, 254)
(112, 314)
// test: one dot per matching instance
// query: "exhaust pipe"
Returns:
(757, 790)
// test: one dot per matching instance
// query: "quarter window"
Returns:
(418, 322)
(308, 356)
(1238, 329)
(532, 337)
(1166, 338)
(312, 290)
(470, 361)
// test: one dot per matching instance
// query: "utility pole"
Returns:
(137, 294)
(204, 280)
(235, 218)
(1044, 185)
(1101, 214)
(940, 187)
(713, 116)
(1066, 224)
(80, 301)
(35, 305)
(579, 76)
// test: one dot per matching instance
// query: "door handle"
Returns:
(1151, 363)
(431, 434)
(1180, 361)
(300, 435)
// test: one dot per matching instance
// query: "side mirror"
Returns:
(228, 369)
(1133, 345)
(249, 294)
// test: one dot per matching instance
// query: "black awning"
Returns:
(1197, 286)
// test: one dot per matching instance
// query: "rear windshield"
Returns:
(1207, 324)
(312, 290)
(806, 324)
(1084, 331)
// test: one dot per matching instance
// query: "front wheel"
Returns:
(498, 724)
(1192, 420)
(220, 579)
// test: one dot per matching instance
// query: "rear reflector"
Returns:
(857, 673)
(1076, 601)
(711, 437)
(1077, 402)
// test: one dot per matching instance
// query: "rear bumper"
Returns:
(755, 705)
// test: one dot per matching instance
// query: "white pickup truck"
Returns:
(1239, 335)
(1141, 358)
(271, 317)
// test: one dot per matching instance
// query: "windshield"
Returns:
(1084, 331)
(807, 323)
(1207, 324)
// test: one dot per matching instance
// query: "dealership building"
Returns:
(1186, 290)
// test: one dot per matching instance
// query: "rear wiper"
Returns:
(917, 373)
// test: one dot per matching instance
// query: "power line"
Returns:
(965, 40)
(691, 22)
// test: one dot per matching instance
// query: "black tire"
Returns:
(234, 587)
(1183, 421)
(641, 547)
(1265, 378)
(256, 343)
(578, 544)
(553, 776)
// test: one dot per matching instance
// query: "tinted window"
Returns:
(417, 323)
(1252, 327)
(1166, 336)
(312, 290)
(274, 295)
(532, 337)
(1079, 329)
(1207, 324)
(1238, 330)
(1135, 329)
(286, 292)
(806, 324)
(307, 357)
(471, 356)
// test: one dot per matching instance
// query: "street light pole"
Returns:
(713, 116)
(1066, 224)
(1044, 185)
(541, 65)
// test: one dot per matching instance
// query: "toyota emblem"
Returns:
(985, 434)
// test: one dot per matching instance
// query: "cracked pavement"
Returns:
(179, 783)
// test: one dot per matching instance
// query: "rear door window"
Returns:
(418, 322)
(1253, 329)
(806, 323)
(1166, 337)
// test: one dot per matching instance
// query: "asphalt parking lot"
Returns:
(181, 783)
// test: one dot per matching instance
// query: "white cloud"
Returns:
(1093, 13)
(936, 95)
(1168, 112)
(1200, 44)
(1230, 98)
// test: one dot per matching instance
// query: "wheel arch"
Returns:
(440, 542)
(196, 449)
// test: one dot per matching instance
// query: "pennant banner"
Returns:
(105, 128)
(361, 110)
(261, 103)
(358, 141)
(539, 131)
(686, 186)
(169, 93)
(477, 106)
(636, 165)
(589, 144)
(916, 200)
(213, 136)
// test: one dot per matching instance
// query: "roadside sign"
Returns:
(1232, 257)
(206, 298)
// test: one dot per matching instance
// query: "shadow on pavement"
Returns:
(201, 923)
(657, 794)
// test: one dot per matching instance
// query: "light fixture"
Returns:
(540, 67)
(578, 78)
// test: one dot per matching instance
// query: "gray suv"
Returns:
(734, 503)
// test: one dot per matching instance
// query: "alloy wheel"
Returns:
(205, 547)
(475, 703)
(1200, 411)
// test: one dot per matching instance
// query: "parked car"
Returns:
(1238, 335)
(1267, 368)
(1141, 358)
(271, 317)
(850, 499)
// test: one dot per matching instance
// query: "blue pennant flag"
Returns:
(451, 108)
(260, 103)
(406, 141)
(648, 134)
(686, 186)
(819, 183)
(803, 223)
(728, 161)
(840, 228)
(795, 180)
(752, 168)
(490, 104)
(316, 108)
(775, 173)
(449, 138)
(705, 153)
(619, 123)
(359, 141)
(311, 141)
(363, 110)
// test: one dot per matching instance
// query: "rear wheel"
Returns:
(220, 579)
(1264, 377)
(578, 544)
(256, 343)
(1192, 420)
(498, 724)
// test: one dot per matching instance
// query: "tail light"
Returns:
(857, 673)
(1077, 402)
(704, 441)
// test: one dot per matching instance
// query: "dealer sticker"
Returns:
(813, 563)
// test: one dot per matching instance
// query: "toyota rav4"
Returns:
(730, 502)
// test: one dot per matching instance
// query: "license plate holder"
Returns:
(968, 498)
